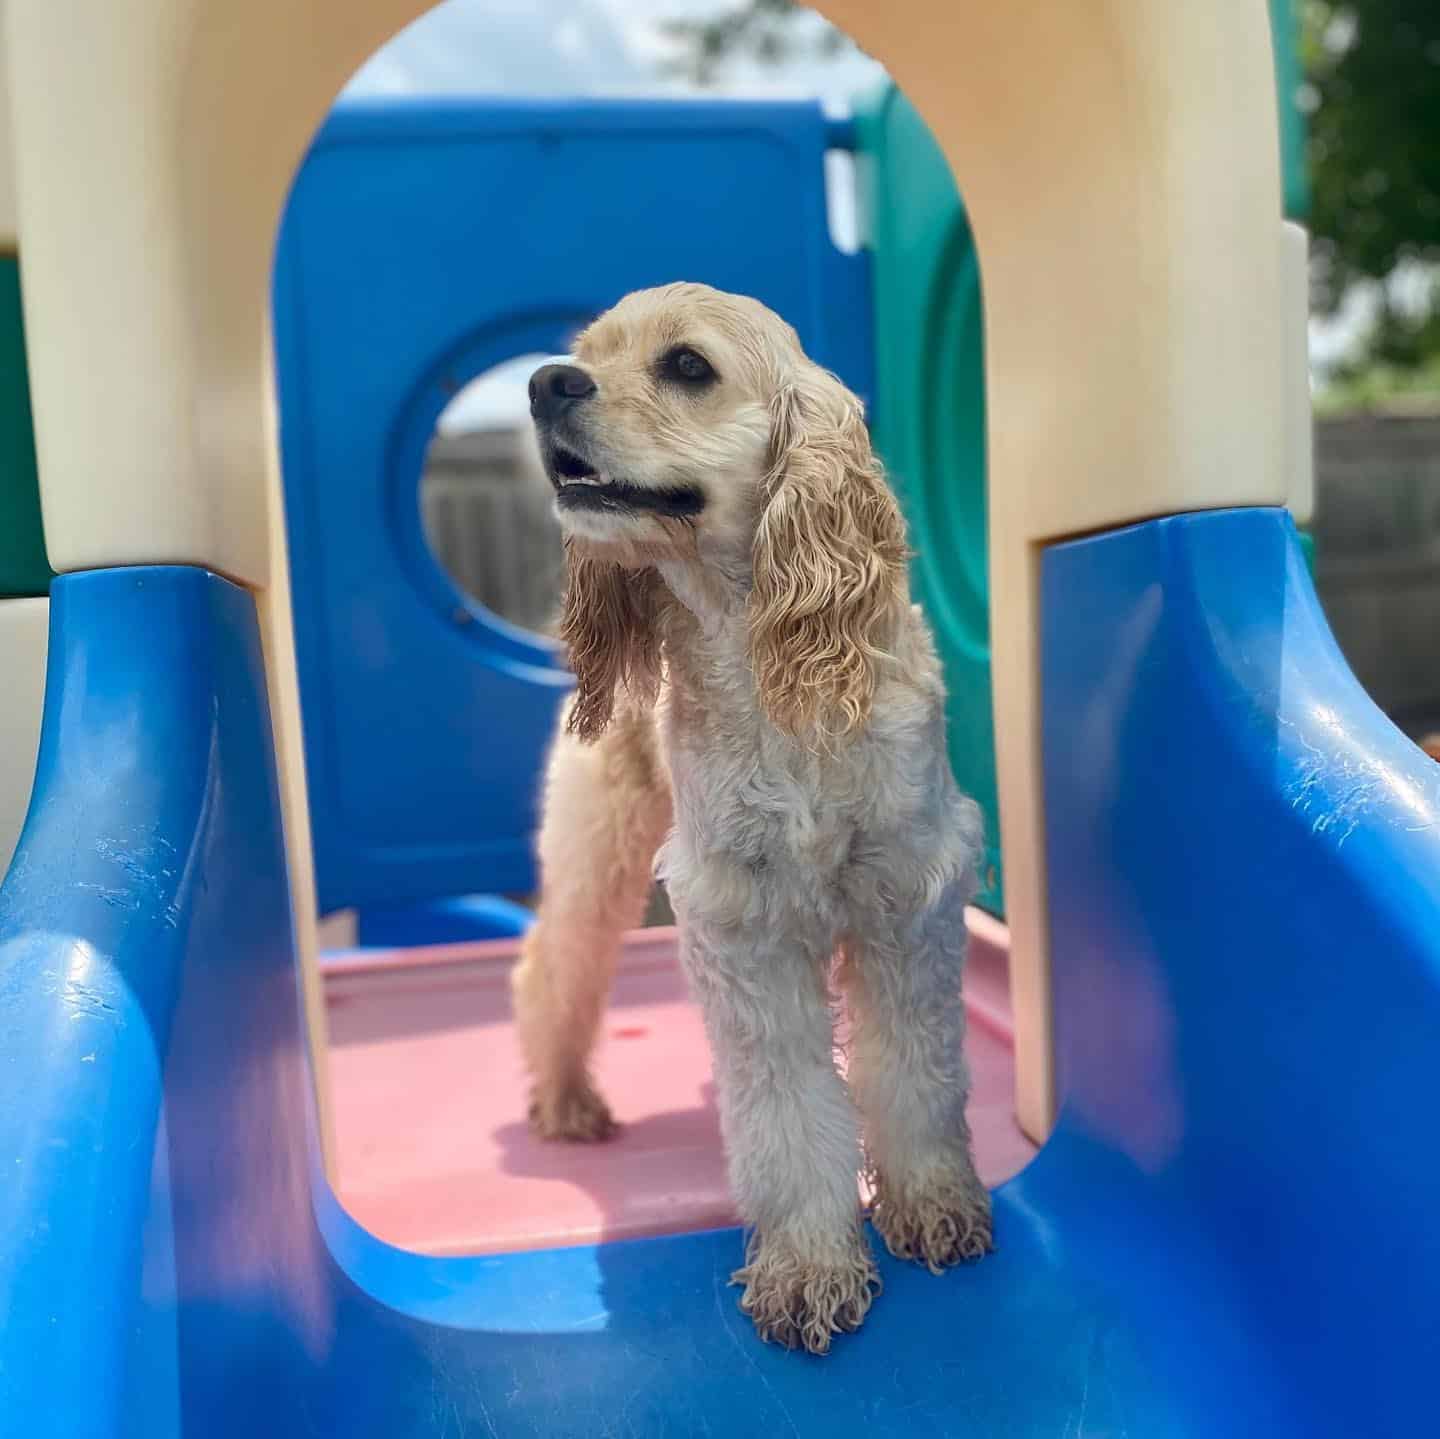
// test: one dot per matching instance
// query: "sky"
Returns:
(580, 47)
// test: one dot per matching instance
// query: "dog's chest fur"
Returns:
(763, 824)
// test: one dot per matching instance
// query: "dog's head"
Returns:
(690, 428)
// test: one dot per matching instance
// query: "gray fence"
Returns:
(1377, 548)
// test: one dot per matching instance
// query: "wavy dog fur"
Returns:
(829, 556)
(608, 626)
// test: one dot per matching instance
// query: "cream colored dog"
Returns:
(759, 702)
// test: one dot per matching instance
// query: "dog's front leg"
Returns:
(908, 1073)
(607, 806)
(791, 1133)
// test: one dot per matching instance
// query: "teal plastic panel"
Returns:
(1285, 28)
(928, 418)
(1306, 541)
(24, 569)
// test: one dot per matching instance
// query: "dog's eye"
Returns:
(686, 366)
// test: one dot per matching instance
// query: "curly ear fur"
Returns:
(829, 564)
(608, 625)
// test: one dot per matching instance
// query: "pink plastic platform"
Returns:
(433, 1152)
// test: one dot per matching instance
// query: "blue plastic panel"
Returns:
(425, 243)
(456, 920)
(1244, 861)
(148, 1017)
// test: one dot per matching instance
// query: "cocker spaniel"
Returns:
(759, 702)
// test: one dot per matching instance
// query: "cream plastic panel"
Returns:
(1120, 163)
(154, 159)
(282, 677)
(1299, 407)
(24, 637)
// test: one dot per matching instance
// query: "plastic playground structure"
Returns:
(1219, 864)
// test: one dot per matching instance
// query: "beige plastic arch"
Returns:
(1120, 164)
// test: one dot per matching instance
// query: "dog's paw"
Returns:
(801, 1301)
(941, 1220)
(573, 1112)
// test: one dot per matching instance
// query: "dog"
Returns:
(758, 720)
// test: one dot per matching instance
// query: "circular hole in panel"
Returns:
(485, 504)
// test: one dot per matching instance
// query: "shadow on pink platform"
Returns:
(432, 1149)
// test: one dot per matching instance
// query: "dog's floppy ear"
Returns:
(829, 564)
(608, 626)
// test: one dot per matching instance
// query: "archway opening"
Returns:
(432, 239)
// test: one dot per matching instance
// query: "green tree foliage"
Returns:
(770, 31)
(1372, 91)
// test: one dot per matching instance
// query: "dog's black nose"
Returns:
(555, 387)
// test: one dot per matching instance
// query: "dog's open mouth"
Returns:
(569, 467)
(580, 486)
